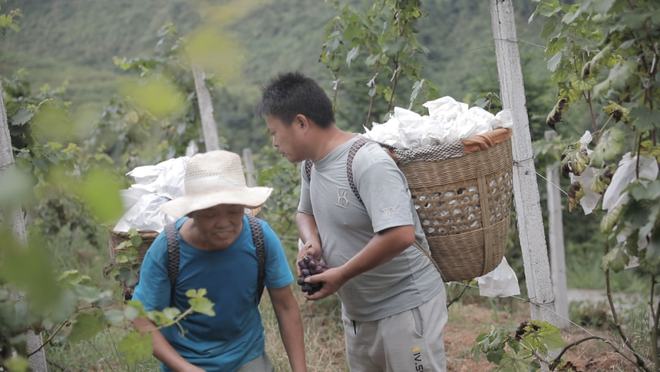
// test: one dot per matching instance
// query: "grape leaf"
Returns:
(87, 325)
(136, 347)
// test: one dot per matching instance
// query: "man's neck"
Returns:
(330, 139)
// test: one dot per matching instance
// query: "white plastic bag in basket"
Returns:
(501, 282)
(154, 185)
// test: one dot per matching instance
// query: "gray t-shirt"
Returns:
(346, 226)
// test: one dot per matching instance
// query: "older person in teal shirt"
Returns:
(217, 253)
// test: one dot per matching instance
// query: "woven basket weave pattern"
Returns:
(464, 205)
(117, 238)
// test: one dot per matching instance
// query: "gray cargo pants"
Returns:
(408, 341)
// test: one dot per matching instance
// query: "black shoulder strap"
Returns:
(308, 170)
(258, 239)
(172, 256)
(361, 141)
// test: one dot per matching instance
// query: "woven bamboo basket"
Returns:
(117, 238)
(464, 205)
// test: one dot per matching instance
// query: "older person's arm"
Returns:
(163, 351)
(290, 324)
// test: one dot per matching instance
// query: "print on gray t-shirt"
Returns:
(346, 226)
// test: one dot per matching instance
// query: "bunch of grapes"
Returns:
(310, 266)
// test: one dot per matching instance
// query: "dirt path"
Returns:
(466, 322)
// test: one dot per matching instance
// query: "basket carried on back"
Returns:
(117, 238)
(129, 279)
(463, 202)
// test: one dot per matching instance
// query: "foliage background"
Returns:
(65, 52)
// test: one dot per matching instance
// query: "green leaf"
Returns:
(100, 191)
(610, 219)
(645, 191)
(202, 305)
(549, 27)
(136, 347)
(550, 335)
(637, 213)
(121, 258)
(352, 54)
(74, 277)
(495, 356)
(115, 317)
(15, 187)
(610, 146)
(196, 293)
(372, 59)
(602, 6)
(617, 78)
(615, 260)
(88, 293)
(53, 123)
(554, 61)
(160, 319)
(645, 119)
(21, 117)
(158, 95)
(171, 312)
(134, 309)
(29, 269)
(547, 8)
(87, 325)
(417, 87)
(570, 17)
(17, 364)
(136, 239)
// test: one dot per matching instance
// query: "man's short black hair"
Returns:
(293, 93)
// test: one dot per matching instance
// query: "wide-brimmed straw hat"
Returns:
(214, 178)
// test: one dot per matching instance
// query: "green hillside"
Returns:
(75, 40)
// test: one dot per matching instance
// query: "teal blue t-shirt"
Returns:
(234, 336)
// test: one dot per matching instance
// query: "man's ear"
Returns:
(302, 122)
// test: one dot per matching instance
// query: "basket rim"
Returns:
(142, 233)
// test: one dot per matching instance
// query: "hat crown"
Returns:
(213, 171)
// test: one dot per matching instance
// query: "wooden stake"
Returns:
(209, 128)
(249, 167)
(38, 360)
(556, 239)
(525, 187)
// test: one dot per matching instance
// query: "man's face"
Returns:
(285, 137)
(219, 226)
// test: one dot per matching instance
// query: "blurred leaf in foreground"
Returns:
(100, 191)
(156, 94)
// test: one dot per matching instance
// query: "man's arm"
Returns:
(290, 324)
(307, 229)
(383, 247)
(163, 351)
(309, 234)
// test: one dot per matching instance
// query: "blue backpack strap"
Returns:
(258, 239)
(172, 256)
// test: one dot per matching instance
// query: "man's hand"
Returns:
(309, 249)
(332, 280)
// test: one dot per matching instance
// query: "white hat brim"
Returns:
(250, 197)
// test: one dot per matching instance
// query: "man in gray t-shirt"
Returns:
(393, 298)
